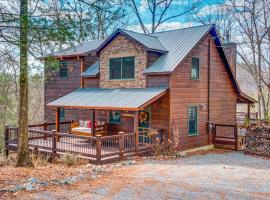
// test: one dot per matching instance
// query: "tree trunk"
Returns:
(23, 157)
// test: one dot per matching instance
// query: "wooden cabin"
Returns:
(179, 83)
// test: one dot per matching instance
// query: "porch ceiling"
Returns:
(110, 99)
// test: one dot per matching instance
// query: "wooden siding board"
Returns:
(185, 91)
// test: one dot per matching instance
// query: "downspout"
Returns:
(209, 129)
(208, 82)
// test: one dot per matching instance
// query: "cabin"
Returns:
(135, 88)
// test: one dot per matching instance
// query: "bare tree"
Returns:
(252, 19)
(159, 11)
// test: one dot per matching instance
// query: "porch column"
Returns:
(57, 119)
(248, 111)
(93, 122)
(81, 78)
(136, 131)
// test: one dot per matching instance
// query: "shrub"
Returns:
(69, 159)
(165, 148)
(40, 159)
(6, 161)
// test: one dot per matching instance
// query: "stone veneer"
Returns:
(122, 46)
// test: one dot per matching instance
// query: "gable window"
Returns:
(192, 120)
(115, 117)
(63, 72)
(122, 68)
(195, 68)
(62, 113)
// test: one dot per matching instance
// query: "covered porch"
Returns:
(143, 113)
(111, 111)
(246, 103)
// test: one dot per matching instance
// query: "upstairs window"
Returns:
(192, 120)
(63, 72)
(195, 69)
(122, 68)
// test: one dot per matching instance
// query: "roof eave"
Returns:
(90, 76)
(158, 73)
(246, 98)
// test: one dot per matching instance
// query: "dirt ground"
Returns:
(213, 176)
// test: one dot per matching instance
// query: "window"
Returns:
(195, 68)
(63, 72)
(115, 117)
(192, 120)
(62, 113)
(122, 68)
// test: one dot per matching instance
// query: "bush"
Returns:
(165, 148)
(69, 159)
(6, 161)
(40, 159)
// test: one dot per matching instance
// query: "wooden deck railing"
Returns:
(225, 134)
(96, 149)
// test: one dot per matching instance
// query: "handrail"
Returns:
(98, 149)
(48, 123)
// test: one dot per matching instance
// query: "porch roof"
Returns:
(244, 98)
(111, 99)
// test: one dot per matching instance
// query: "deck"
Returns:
(96, 149)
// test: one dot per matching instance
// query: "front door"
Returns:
(144, 126)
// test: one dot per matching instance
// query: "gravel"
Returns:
(230, 175)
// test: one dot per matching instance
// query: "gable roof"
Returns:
(79, 50)
(179, 43)
(150, 42)
(91, 71)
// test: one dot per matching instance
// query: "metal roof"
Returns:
(80, 49)
(151, 43)
(103, 98)
(178, 43)
(93, 70)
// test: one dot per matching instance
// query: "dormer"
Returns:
(123, 58)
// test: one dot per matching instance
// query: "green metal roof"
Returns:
(178, 43)
(103, 98)
(91, 71)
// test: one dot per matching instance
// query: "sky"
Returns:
(178, 6)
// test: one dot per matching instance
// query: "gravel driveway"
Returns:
(213, 176)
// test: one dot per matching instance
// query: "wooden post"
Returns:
(45, 127)
(6, 140)
(53, 144)
(236, 137)
(81, 78)
(98, 150)
(248, 111)
(93, 122)
(136, 130)
(121, 146)
(57, 122)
